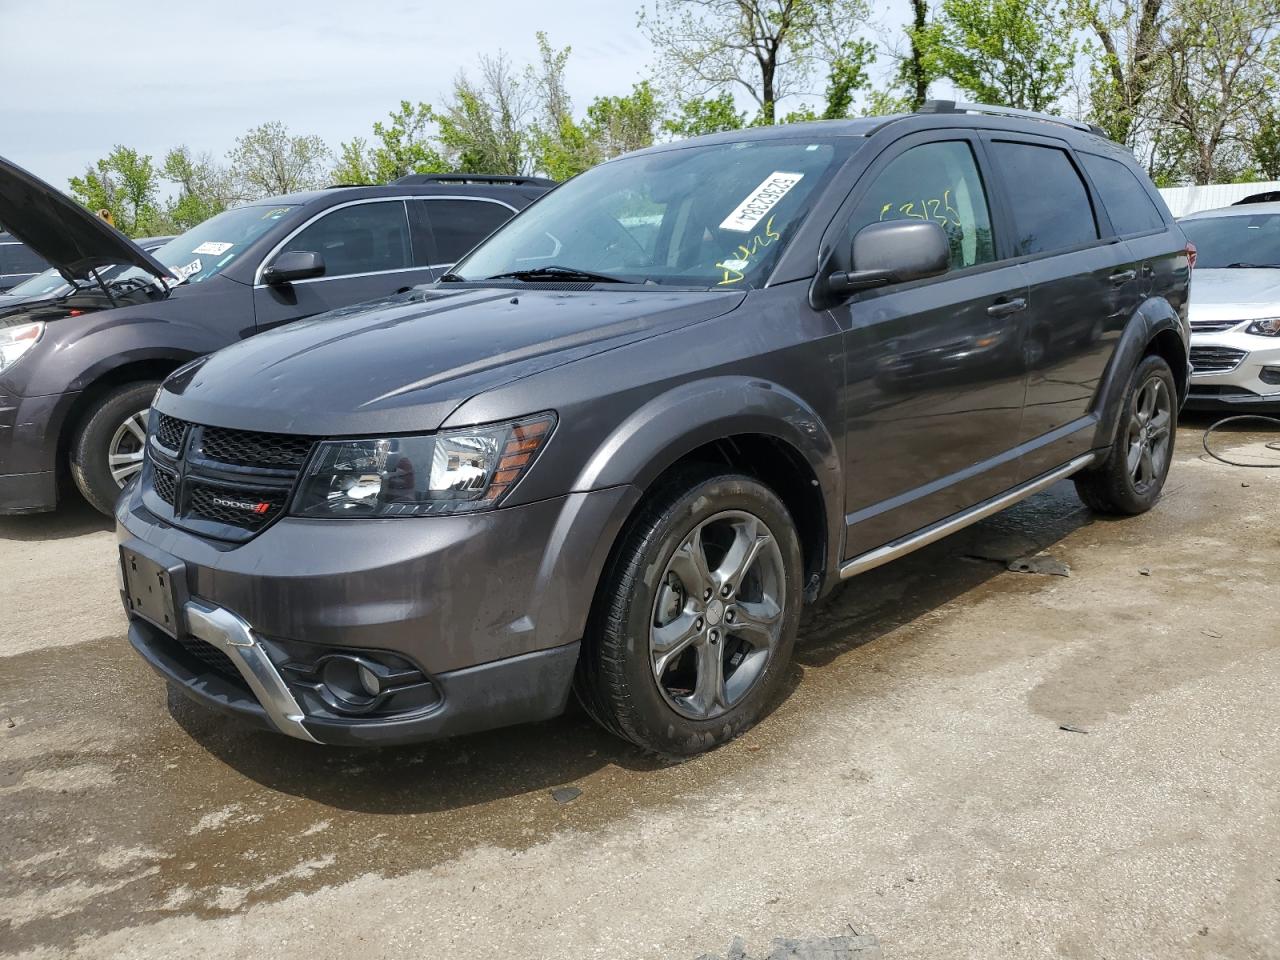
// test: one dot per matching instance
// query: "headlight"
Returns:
(15, 341)
(1270, 327)
(458, 471)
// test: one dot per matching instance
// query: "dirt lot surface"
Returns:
(968, 762)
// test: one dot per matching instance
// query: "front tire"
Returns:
(1130, 480)
(108, 445)
(696, 615)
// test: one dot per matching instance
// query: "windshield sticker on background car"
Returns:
(938, 209)
(181, 274)
(735, 270)
(760, 201)
(213, 248)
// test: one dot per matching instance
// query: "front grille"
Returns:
(166, 485)
(1216, 359)
(210, 655)
(246, 449)
(224, 483)
(169, 431)
(250, 509)
(1213, 326)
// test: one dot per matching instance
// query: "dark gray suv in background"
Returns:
(627, 438)
(78, 367)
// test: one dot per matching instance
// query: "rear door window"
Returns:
(19, 258)
(459, 225)
(1047, 199)
(362, 238)
(1128, 204)
(939, 182)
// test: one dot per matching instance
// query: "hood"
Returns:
(61, 231)
(1238, 294)
(405, 363)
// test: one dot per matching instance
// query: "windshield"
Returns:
(705, 216)
(1235, 241)
(208, 248)
(41, 285)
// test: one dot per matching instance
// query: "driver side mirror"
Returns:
(894, 251)
(293, 265)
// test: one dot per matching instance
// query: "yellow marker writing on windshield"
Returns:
(735, 268)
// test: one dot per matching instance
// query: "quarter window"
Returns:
(1128, 204)
(939, 182)
(459, 225)
(1050, 205)
(364, 238)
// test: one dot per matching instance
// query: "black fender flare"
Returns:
(1154, 317)
(645, 444)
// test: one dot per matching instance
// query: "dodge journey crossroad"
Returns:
(618, 448)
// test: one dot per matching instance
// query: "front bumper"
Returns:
(29, 429)
(1242, 386)
(489, 607)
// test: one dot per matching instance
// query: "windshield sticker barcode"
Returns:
(760, 201)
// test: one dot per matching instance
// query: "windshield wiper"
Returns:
(1240, 265)
(555, 272)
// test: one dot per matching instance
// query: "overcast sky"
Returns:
(77, 77)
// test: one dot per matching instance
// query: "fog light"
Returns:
(345, 678)
(369, 680)
(1270, 375)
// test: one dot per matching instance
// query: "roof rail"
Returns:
(420, 178)
(950, 106)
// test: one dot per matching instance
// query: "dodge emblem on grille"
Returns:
(260, 507)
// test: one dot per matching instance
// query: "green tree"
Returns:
(848, 75)
(400, 146)
(1015, 53)
(561, 147)
(1222, 64)
(485, 124)
(701, 115)
(127, 184)
(268, 160)
(914, 71)
(1265, 145)
(619, 124)
(204, 189)
(1125, 71)
(767, 49)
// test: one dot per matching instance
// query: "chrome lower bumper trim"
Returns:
(235, 638)
(914, 541)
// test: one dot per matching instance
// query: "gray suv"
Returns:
(621, 445)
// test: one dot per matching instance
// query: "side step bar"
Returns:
(914, 541)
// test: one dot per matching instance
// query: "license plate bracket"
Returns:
(155, 586)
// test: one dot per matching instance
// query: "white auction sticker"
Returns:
(213, 248)
(760, 201)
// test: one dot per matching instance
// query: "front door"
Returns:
(934, 376)
(368, 253)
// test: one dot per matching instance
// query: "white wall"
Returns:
(1185, 200)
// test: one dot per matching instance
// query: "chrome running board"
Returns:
(234, 637)
(914, 541)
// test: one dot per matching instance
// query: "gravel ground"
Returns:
(968, 761)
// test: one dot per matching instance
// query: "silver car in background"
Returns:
(1235, 307)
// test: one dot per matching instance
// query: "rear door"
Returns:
(1084, 284)
(456, 225)
(935, 382)
(368, 253)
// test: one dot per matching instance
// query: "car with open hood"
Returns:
(80, 363)
(1235, 308)
(620, 445)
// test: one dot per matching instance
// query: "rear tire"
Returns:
(108, 444)
(681, 655)
(1132, 477)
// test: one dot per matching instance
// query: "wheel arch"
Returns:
(1157, 329)
(753, 426)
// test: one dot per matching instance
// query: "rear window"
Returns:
(459, 225)
(1128, 204)
(19, 258)
(1050, 205)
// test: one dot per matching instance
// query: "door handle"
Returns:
(1124, 276)
(1005, 307)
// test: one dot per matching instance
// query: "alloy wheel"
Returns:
(718, 615)
(1149, 434)
(127, 448)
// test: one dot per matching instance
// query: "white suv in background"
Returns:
(1235, 307)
